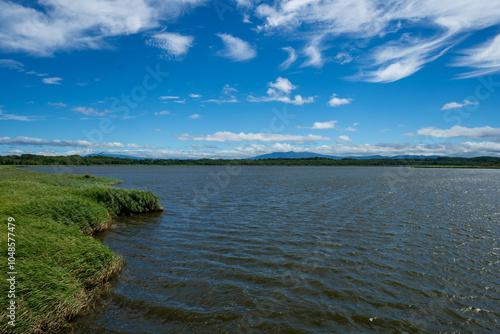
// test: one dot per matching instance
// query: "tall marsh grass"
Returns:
(60, 268)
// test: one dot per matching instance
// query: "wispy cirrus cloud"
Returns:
(91, 111)
(236, 49)
(403, 54)
(57, 104)
(44, 27)
(164, 112)
(175, 45)
(52, 81)
(292, 57)
(485, 58)
(14, 117)
(12, 64)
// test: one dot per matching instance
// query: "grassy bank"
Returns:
(60, 267)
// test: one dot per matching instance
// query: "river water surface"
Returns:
(305, 250)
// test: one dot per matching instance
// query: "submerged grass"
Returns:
(60, 268)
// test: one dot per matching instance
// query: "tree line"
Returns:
(75, 160)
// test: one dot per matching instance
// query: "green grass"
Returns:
(60, 268)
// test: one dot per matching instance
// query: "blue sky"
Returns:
(236, 79)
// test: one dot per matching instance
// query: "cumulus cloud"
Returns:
(282, 84)
(223, 136)
(485, 132)
(168, 97)
(343, 139)
(320, 125)
(336, 101)
(454, 105)
(194, 96)
(91, 111)
(195, 116)
(236, 49)
(52, 81)
(280, 91)
(466, 149)
(174, 44)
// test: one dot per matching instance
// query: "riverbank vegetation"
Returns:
(75, 160)
(60, 269)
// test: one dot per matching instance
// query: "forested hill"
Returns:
(32, 160)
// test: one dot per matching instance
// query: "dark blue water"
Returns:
(305, 250)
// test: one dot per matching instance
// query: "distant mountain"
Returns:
(302, 155)
(293, 155)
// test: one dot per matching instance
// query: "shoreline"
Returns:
(61, 268)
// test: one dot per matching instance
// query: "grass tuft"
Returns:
(60, 270)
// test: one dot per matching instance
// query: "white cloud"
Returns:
(320, 125)
(228, 90)
(336, 101)
(195, 116)
(453, 105)
(282, 84)
(231, 99)
(163, 112)
(176, 45)
(446, 23)
(12, 64)
(485, 58)
(53, 25)
(292, 57)
(13, 117)
(52, 81)
(194, 96)
(23, 141)
(485, 132)
(280, 91)
(168, 97)
(236, 49)
(343, 139)
(180, 101)
(223, 136)
(57, 104)
(91, 111)
(313, 53)
(203, 146)
(466, 149)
